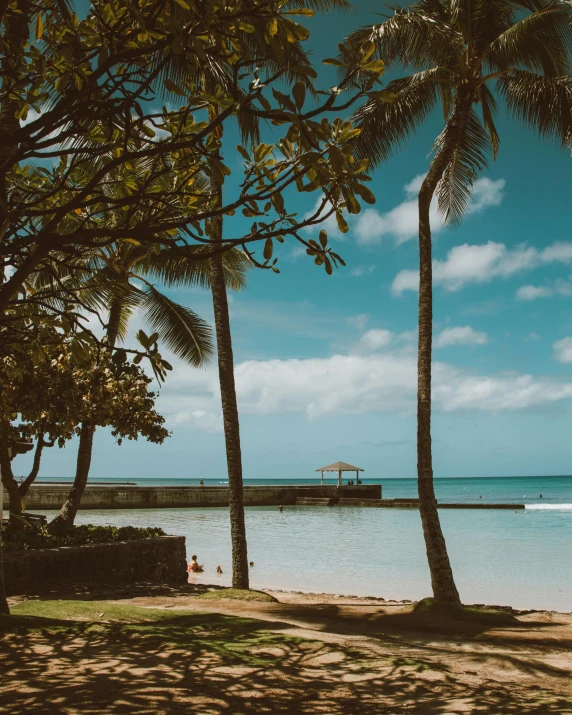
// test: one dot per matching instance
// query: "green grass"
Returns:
(234, 639)
(238, 594)
(467, 614)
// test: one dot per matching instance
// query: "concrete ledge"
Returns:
(159, 559)
(52, 496)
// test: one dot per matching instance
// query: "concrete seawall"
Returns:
(52, 496)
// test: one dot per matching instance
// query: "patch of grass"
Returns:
(233, 639)
(238, 594)
(469, 614)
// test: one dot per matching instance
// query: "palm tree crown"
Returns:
(462, 49)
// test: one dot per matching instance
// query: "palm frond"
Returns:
(387, 125)
(469, 159)
(542, 103)
(489, 109)
(180, 329)
(541, 41)
(319, 5)
(411, 37)
(183, 267)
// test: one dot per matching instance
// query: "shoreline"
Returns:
(342, 598)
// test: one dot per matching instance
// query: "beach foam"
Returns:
(554, 507)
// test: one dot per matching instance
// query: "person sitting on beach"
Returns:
(194, 566)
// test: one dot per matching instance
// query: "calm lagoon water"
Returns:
(521, 559)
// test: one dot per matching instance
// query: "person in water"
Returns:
(195, 566)
(280, 508)
(218, 569)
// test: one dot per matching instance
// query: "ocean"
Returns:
(499, 557)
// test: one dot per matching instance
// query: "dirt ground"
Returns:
(337, 656)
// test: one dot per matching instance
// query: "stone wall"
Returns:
(160, 559)
(52, 496)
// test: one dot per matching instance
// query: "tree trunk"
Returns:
(444, 588)
(65, 519)
(24, 487)
(11, 485)
(240, 578)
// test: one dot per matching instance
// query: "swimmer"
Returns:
(540, 495)
(218, 569)
(195, 566)
(280, 508)
(251, 563)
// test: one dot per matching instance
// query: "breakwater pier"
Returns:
(133, 496)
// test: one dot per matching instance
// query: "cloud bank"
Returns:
(481, 263)
(378, 374)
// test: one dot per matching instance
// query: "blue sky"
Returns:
(326, 365)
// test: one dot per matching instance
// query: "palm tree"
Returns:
(465, 54)
(122, 278)
(210, 76)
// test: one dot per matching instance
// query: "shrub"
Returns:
(40, 538)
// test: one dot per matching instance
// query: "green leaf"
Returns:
(173, 87)
(299, 94)
(364, 192)
(300, 11)
(246, 27)
(333, 61)
(268, 249)
(271, 29)
(375, 66)
(323, 238)
(242, 151)
(39, 26)
(278, 202)
(342, 223)
(367, 49)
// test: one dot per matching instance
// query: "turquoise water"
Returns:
(520, 559)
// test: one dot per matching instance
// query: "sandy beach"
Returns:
(334, 655)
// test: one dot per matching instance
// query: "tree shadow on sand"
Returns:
(109, 658)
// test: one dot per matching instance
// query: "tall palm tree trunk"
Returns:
(64, 520)
(444, 588)
(240, 577)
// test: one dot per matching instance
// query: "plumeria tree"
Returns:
(58, 396)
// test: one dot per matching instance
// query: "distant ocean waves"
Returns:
(552, 507)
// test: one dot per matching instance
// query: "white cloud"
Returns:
(370, 226)
(348, 384)
(402, 221)
(374, 340)
(563, 350)
(359, 321)
(563, 287)
(559, 252)
(482, 263)
(530, 292)
(362, 271)
(532, 337)
(462, 335)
